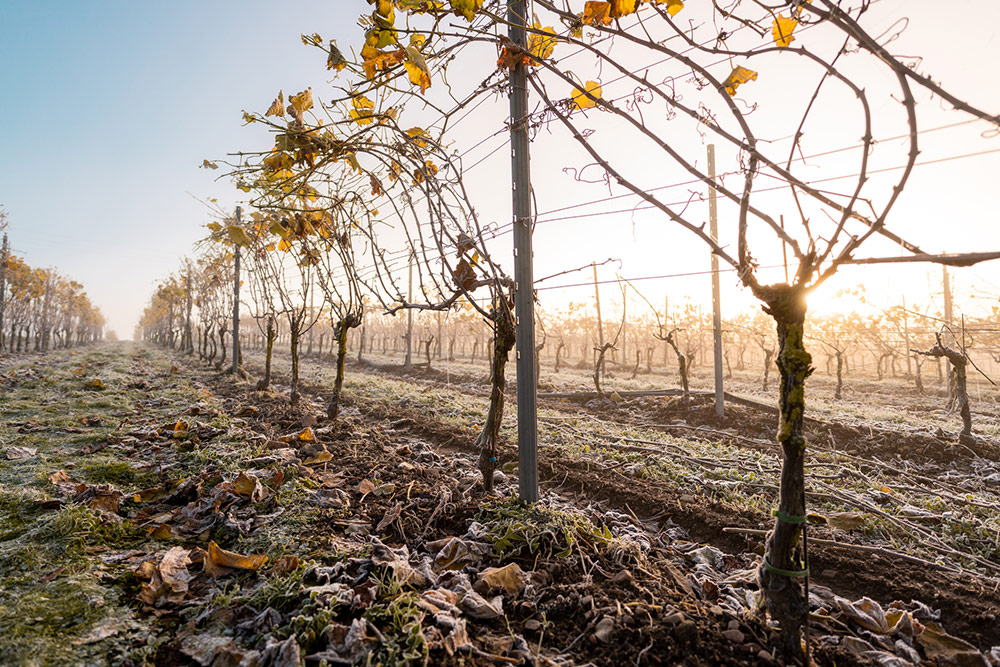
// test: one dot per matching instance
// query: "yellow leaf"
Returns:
(245, 484)
(374, 61)
(541, 46)
(284, 245)
(248, 118)
(320, 457)
(278, 229)
(782, 30)
(416, 67)
(673, 6)
(466, 8)
(362, 111)
(510, 579)
(218, 560)
(307, 435)
(335, 60)
(277, 161)
(277, 107)
(622, 7)
(738, 76)
(94, 384)
(238, 236)
(580, 98)
(205, 164)
(303, 101)
(596, 11)
(419, 136)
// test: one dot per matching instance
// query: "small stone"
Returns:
(307, 421)
(604, 628)
(686, 632)
(674, 618)
(765, 657)
(733, 625)
(587, 601)
(828, 574)
(498, 477)
(532, 625)
(623, 577)
(734, 636)
(276, 444)
(687, 498)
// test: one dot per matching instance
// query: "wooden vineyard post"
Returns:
(713, 223)
(600, 325)
(949, 337)
(524, 315)
(409, 318)
(4, 254)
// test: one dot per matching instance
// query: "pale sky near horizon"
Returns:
(109, 107)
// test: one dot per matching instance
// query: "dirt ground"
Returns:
(169, 514)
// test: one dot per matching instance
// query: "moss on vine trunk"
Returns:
(783, 594)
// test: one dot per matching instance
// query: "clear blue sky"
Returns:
(110, 106)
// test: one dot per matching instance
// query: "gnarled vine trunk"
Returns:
(503, 342)
(783, 568)
(265, 381)
(293, 395)
(340, 332)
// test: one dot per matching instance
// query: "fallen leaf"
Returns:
(384, 489)
(366, 487)
(285, 564)
(321, 456)
(17, 453)
(390, 515)
(476, 606)
(203, 648)
(865, 612)
(218, 562)
(845, 520)
(248, 485)
(94, 384)
(510, 578)
(947, 649)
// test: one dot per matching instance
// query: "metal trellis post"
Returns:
(236, 301)
(527, 416)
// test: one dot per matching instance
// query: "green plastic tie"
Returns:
(785, 573)
(788, 518)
